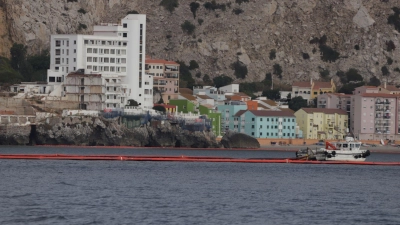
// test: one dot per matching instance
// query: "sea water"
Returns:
(131, 192)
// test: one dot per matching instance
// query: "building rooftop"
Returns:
(324, 110)
(268, 113)
(239, 113)
(270, 102)
(382, 95)
(321, 84)
(188, 97)
(204, 97)
(304, 84)
(390, 88)
(185, 91)
(160, 61)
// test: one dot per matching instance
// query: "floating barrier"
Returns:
(183, 158)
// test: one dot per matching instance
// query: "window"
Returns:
(89, 50)
(261, 119)
(74, 50)
(89, 59)
(125, 35)
(106, 51)
(112, 51)
(252, 119)
(58, 79)
(57, 60)
(112, 60)
(260, 133)
(74, 59)
(252, 126)
(58, 43)
(52, 79)
(58, 52)
(75, 42)
(252, 133)
(95, 50)
(125, 25)
(56, 68)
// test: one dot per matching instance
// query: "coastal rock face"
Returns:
(239, 140)
(248, 32)
(91, 131)
(14, 135)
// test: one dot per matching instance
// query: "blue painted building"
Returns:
(267, 124)
(227, 113)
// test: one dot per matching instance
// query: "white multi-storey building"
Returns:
(116, 51)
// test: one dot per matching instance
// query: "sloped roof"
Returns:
(320, 84)
(267, 113)
(204, 97)
(189, 97)
(301, 84)
(269, 102)
(185, 91)
(242, 94)
(239, 113)
(390, 88)
(263, 106)
(382, 95)
(207, 105)
(324, 110)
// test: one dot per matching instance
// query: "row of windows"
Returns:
(63, 42)
(276, 134)
(274, 127)
(109, 43)
(106, 68)
(106, 51)
(63, 60)
(272, 119)
(57, 69)
(106, 60)
(62, 51)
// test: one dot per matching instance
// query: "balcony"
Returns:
(386, 117)
(322, 102)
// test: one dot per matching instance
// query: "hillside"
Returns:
(296, 40)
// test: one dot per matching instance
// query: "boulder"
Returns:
(239, 140)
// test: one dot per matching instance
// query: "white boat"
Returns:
(347, 150)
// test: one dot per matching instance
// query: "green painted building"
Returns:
(215, 119)
(183, 105)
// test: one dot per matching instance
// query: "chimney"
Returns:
(311, 81)
(384, 85)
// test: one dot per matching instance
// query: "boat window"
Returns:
(358, 145)
(339, 145)
(351, 145)
(345, 146)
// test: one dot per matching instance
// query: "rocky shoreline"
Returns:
(98, 131)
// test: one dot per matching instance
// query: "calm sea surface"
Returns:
(128, 192)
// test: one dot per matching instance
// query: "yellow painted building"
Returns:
(322, 123)
(311, 90)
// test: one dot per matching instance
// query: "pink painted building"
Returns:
(375, 116)
(165, 77)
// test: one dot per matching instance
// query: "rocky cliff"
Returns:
(91, 131)
(303, 37)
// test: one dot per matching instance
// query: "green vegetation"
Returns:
(198, 74)
(250, 88)
(222, 81)
(160, 108)
(7, 74)
(132, 12)
(207, 80)
(350, 80)
(188, 27)
(186, 80)
(278, 70)
(390, 46)
(193, 7)
(81, 10)
(193, 65)
(240, 69)
(306, 55)
(200, 21)
(297, 103)
(82, 26)
(132, 102)
(272, 54)
(389, 60)
(213, 6)
(328, 54)
(169, 5)
(357, 47)
(161, 101)
(374, 81)
(394, 19)
(397, 69)
(324, 73)
(241, 1)
(237, 11)
(385, 71)
(273, 94)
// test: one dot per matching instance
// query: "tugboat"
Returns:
(347, 150)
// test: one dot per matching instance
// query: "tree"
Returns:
(132, 102)
(186, 79)
(160, 108)
(353, 75)
(18, 55)
(193, 65)
(348, 88)
(193, 7)
(161, 101)
(206, 79)
(297, 103)
(188, 27)
(385, 71)
(278, 70)
(169, 5)
(222, 81)
(7, 74)
(374, 81)
(289, 96)
(240, 69)
(272, 94)
(272, 54)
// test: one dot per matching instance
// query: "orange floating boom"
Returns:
(183, 158)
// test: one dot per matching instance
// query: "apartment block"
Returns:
(322, 123)
(165, 77)
(114, 50)
(311, 90)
